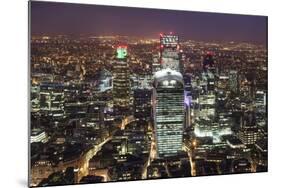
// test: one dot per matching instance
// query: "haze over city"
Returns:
(82, 19)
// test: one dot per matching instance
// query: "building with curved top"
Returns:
(168, 106)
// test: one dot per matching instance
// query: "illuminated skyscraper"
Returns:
(169, 51)
(105, 80)
(209, 122)
(156, 66)
(187, 105)
(187, 100)
(208, 74)
(233, 81)
(121, 83)
(249, 131)
(210, 82)
(168, 111)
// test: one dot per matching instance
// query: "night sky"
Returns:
(80, 19)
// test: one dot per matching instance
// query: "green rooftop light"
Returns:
(121, 52)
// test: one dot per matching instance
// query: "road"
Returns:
(125, 121)
(151, 157)
(84, 167)
(192, 163)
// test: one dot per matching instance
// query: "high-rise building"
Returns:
(233, 81)
(208, 121)
(156, 66)
(142, 104)
(187, 100)
(95, 113)
(105, 81)
(187, 105)
(121, 83)
(249, 131)
(208, 74)
(249, 134)
(169, 51)
(168, 96)
(210, 82)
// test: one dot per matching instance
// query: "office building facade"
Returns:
(168, 112)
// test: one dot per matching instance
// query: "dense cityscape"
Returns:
(120, 108)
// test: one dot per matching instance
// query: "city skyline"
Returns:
(124, 108)
(144, 22)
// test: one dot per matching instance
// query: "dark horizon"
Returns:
(54, 18)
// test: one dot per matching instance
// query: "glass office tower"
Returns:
(168, 112)
(169, 51)
(121, 83)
